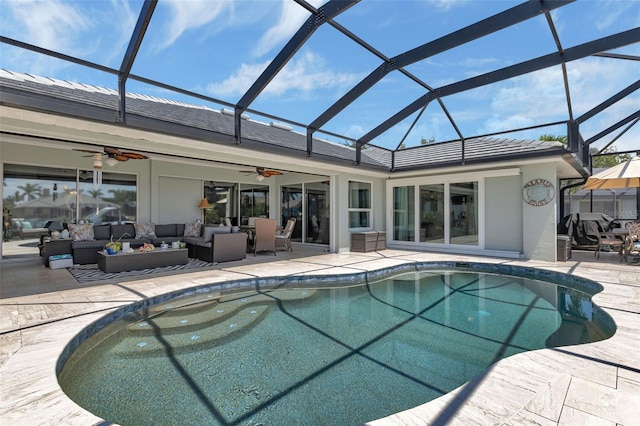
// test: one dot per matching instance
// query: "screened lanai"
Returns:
(389, 74)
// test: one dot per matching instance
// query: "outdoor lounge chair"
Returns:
(264, 236)
(632, 240)
(283, 239)
(603, 239)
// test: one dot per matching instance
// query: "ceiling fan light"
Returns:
(260, 178)
(97, 164)
(111, 162)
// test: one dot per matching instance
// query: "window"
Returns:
(437, 213)
(222, 198)
(404, 213)
(432, 207)
(464, 213)
(359, 205)
(254, 202)
(112, 202)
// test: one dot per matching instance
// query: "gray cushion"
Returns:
(95, 244)
(166, 230)
(102, 232)
(192, 240)
(119, 230)
(211, 230)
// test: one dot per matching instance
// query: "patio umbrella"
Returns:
(624, 175)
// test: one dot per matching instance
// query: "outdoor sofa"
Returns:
(202, 242)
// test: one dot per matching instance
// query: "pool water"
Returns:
(339, 356)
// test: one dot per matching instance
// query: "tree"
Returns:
(121, 196)
(96, 193)
(429, 141)
(551, 138)
(352, 144)
(606, 161)
(31, 190)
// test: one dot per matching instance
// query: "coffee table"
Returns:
(121, 262)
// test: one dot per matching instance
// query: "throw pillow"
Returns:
(192, 229)
(145, 230)
(81, 232)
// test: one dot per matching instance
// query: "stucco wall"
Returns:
(503, 218)
(539, 221)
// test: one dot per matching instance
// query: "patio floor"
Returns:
(599, 383)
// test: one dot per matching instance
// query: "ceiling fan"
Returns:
(262, 173)
(114, 155)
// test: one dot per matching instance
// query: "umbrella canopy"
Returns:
(624, 175)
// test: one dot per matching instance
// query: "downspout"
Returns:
(573, 185)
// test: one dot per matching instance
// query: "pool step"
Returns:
(192, 326)
(152, 342)
(194, 314)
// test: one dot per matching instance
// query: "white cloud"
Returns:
(538, 97)
(72, 29)
(188, 15)
(291, 18)
(611, 12)
(51, 24)
(444, 5)
(306, 73)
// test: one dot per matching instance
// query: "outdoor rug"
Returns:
(88, 273)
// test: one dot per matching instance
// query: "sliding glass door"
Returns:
(444, 213)
(309, 204)
(35, 196)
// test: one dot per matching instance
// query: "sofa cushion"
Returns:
(95, 244)
(102, 232)
(119, 231)
(81, 232)
(192, 240)
(179, 229)
(145, 230)
(211, 230)
(166, 230)
(192, 229)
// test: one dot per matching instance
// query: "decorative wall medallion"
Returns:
(538, 192)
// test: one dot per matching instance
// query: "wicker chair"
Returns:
(632, 244)
(264, 236)
(283, 240)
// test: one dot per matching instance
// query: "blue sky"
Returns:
(219, 47)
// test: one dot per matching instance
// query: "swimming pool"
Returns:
(337, 351)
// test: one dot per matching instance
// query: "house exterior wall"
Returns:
(156, 178)
(503, 218)
(539, 230)
(509, 226)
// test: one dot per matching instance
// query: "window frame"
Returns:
(368, 211)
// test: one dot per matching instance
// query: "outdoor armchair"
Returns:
(264, 236)
(283, 239)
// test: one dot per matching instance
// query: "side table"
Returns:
(52, 247)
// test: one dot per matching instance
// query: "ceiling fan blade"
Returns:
(90, 151)
(121, 157)
(133, 156)
(112, 151)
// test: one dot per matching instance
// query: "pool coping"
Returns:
(517, 389)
